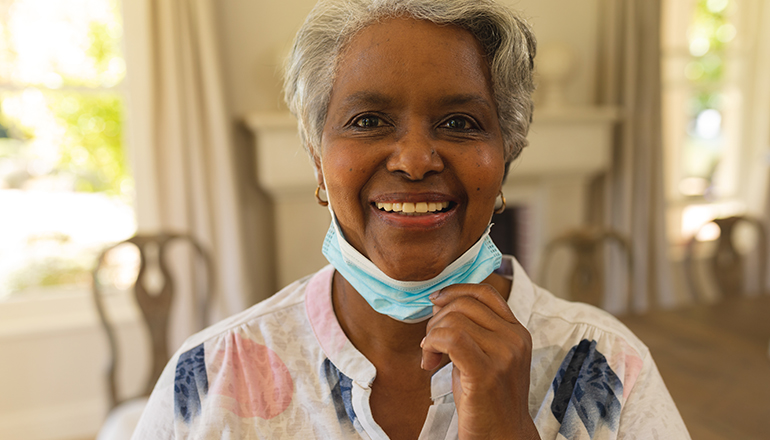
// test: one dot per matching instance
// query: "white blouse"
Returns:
(285, 369)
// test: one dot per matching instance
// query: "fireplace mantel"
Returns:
(567, 148)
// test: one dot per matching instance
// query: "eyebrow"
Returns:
(464, 99)
(366, 97)
(379, 99)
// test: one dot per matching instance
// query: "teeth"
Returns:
(410, 208)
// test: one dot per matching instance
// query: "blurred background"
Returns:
(132, 117)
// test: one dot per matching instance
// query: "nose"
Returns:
(415, 156)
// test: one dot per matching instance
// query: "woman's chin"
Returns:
(413, 269)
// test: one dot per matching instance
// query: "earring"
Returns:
(318, 198)
(502, 204)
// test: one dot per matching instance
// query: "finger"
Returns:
(474, 309)
(484, 293)
(430, 359)
(495, 342)
(458, 343)
(462, 322)
(477, 360)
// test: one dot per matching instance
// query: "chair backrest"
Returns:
(586, 277)
(155, 307)
(726, 264)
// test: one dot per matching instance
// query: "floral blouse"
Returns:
(285, 369)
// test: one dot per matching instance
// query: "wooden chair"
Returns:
(726, 264)
(586, 276)
(155, 307)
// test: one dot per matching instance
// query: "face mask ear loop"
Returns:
(491, 216)
(329, 207)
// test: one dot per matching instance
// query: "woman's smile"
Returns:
(412, 156)
(421, 212)
(414, 209)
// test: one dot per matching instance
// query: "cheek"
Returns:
(340, 180)
(345, 173)
(483, 174)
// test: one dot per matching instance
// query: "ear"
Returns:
(319, 174)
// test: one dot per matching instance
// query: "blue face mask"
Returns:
(406, 301)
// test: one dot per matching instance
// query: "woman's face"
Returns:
(412, 126)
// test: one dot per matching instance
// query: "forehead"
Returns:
(405, 55)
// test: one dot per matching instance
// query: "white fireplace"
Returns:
(567, 149)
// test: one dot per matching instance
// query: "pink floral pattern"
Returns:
(254, 378)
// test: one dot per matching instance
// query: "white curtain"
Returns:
(757, 130)
(634, 192)
(185, 173)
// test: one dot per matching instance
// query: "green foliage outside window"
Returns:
(710, 33)
(709, 37)
(92, 148)
(61, 132)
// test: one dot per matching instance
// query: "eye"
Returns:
(459, 123)
(368, 121)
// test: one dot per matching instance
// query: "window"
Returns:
(707, 62)
(65, 186)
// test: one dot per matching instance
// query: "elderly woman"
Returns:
(412, 111)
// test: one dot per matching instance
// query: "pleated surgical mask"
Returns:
(406, 301)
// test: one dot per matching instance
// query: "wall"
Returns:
(256, 34)
(52, 382)
(253, 35)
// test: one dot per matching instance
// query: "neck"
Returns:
(379, 337)
(372, 333)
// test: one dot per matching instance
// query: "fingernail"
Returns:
(422, 342)
(434, 295)
(422, 363)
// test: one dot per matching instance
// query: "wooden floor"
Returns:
(715, 361)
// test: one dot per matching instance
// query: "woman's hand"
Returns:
(491, 352)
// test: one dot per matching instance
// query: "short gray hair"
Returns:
(507, 40)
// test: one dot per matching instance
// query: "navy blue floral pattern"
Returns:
(342, 387)
(586, 390)
(190, 384)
